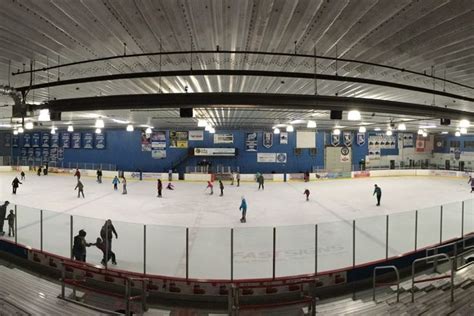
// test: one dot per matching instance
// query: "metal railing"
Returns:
(374, 284)
(128, 294)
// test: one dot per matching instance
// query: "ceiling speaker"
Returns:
(186, 112)
(445, 121)
(336, 115)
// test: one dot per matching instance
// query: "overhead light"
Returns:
(353, 115)
(120, 121)
(202, 123)
(98, 131)
(53, 130)
(402, 127)
(29, 125)
(212, 130)
(311, 124)
(15, 132)
(377, 129)
(129, 128)
(208, 128)
(44, 116)
(289, 128)
(297, 122)
(420, 132)
(20, 130)
(425, 134)
(389, 133)
(148, 130)
(336, 131)
(362, 129)
(70, 128)
(463, 130)
(445, 132)
(99, 123)
(276, 130)
(464, 123)
(457, 134)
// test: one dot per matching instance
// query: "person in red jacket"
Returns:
(210, 186)
(159, 187)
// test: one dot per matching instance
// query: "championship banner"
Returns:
(54, 140)
(45, 154)
(35, 140)
(37, 153)
(196, 135)
(53, 154)
(99, 141)
(7, 142)
(223, 138)
(15, 140)
(60, 153)
(66, 140)
(348, 139)
(26, 140)
(76, 140)
(283, 138)
(360, 139)
(23, 152)
(335, 139)
(178, 139)
(45, 137)
(267, 139)
(251, 141)
(88, 139)
(31, 153)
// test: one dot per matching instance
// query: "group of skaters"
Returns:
(115, 182)
(10, 218)
(103, 243)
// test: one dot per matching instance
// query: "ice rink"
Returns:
(333, 205)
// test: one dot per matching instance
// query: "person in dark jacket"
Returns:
(38, 172)
(107, 255)
(22, 175)
(221, 186)
(306, 192)
(15, 184)
(79, 246)
(3, 212)
(11, 224)
(80, 186)
(106, 233)
(77, 174)
(378, 191)
(99, 176)
(159, 187)
(261, 182)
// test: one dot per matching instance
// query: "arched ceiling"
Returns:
(426, 36)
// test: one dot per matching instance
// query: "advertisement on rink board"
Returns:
(215, 152)
(271, 157)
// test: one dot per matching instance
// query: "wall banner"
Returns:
(214, 152)
(345, 151)
(45, 154)
(88, 139)
(360, 139)
(54, 140)
(283, 138)
(224, 138)
(99, 141)
(271, 157)
(53, 154)
(348, 139)
(35, 140)
(23, 152)
(66, 140)
(7, 142)
(60, 153)
(76, 140)
(267, 139)
(15, 141)
(145, 141)
(251, 141)
(26, 140)
(158, 153)
(178, 139)
(335, 139)
(37, 153)
(196, 135)
(31, 154)
(45, 137)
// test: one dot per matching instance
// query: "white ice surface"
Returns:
(333, 205)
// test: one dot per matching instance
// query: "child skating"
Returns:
(306, 192)
(471, 181)
(124, 185)
(11, 224)
(22, 174)
(159, 187)
(243, 208)
(210, 186)
(106, 255)
(221, 186)
(115, 182)
(170, 186)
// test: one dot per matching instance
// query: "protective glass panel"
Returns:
(428, 227)
(401, 233)
(57, 233)
(370, 239)
(334, 245)
(28, 225)
(452, 220)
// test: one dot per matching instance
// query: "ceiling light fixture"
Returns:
(98, 131)
(15, 132)
(70, 128)
(311, 124)
(20, 130)
(29, 125)
(377, 129)
(362, 129)
(457, 134)
(129, 128)
(289, 128)
(425, 134)
(53, 130)
(202, 123)
(44, 116)
(463, 130)
(402, 127)
(420, 132)
(464, 123)
(336, 131)
(389, 133)
(148, 130)
(208, 128)
(276, 130)
(99, 123)
(353, 115)
(212, 130)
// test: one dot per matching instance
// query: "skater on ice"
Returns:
(115, 182)
(221, 186)
(15, 184)
(80, 186)
(378, 191)
(261, 181)
(170, 186)
(38, 172)
(11, 224)
(79, 246)
(99, 176)
(106, 233)
(77, 174)
(243, 208)
(210, 186)
(306, 192)
(238, 179)
(106, 255)
(3, 212)
(471, 181)
(22, 174)
(159, 187)
(124, 185)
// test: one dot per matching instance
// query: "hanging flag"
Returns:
(267, 139)
(360, 139)
(335, 139)
(348, 139)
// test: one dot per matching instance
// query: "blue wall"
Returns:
(124, 150)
